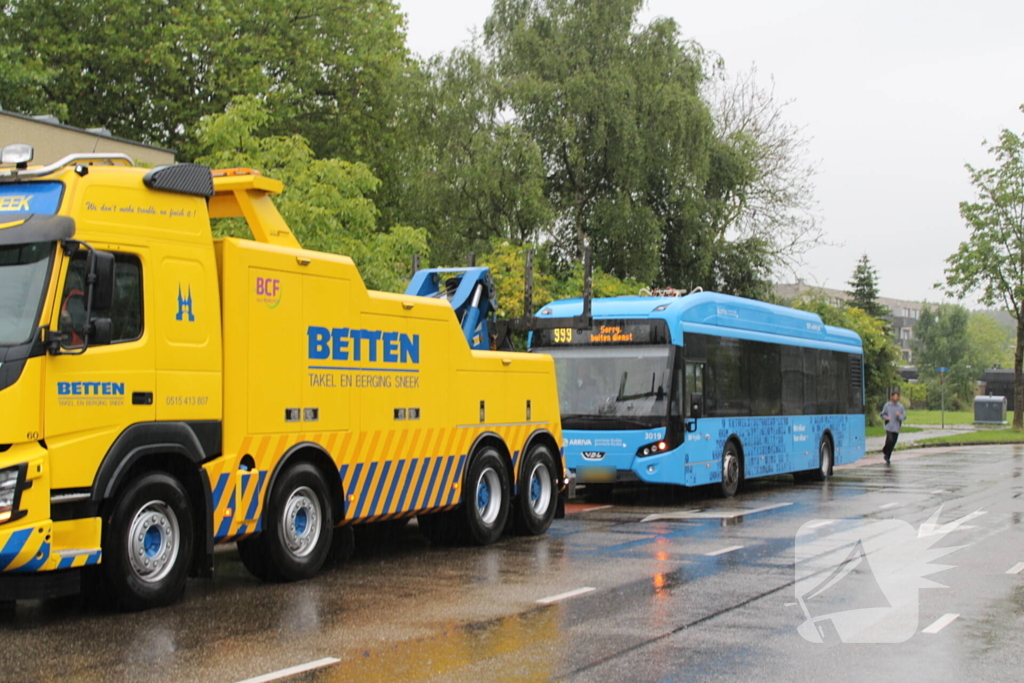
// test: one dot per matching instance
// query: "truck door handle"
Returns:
(142, 398)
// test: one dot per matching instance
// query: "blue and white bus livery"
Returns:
(703, 389)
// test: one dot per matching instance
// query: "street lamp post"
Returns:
(942, 384)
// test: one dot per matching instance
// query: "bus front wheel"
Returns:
(731, 471)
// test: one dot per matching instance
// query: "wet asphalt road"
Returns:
(683, 587)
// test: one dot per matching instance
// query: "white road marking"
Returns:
(712, 514)
(565, 596)
(818, 525)
(933, 528)
(599, 507)
(938, 491)
(941, 623)
(888, 506)
(1016, 569)
(723, 551)
(292, 671)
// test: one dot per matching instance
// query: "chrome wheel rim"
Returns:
(154, 540)
(488, 496)
(301, 522)
(730, 470)
(539, 489)
(826, 458)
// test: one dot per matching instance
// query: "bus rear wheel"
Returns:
(732, 471)
(825, 458)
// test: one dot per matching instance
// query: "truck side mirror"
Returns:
(696, 405)
(100, 331)
(101, 281)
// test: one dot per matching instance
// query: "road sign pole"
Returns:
(942, 384)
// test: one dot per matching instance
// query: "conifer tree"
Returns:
(864, 289)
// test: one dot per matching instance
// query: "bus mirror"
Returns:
(696, 405)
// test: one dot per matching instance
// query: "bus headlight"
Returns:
(652, 449)
(8, 492)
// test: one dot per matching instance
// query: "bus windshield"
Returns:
(23, 272)
(606, 388)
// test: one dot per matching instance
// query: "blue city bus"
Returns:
(703, 389)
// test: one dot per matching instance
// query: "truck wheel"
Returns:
(731, 471)
(538, 494)
(485, 501)
(147, 543)
(300, 524)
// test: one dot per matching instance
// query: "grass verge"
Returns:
(880, 430)
(985, 436)
(953, 417)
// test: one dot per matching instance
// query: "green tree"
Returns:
(615, 110)
(864, 289)
(149, 69)
(327, 203)
(881, 354)
(23, 84)
(992, 343)
(470, 178)
(942, 340)
(992, 259)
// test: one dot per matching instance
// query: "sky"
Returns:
(895, 97)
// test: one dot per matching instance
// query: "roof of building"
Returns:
(50, 120)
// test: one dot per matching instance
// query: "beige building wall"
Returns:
(53, 141)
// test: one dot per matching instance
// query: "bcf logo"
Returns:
(268, 291)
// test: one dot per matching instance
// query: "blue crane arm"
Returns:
(470, 291)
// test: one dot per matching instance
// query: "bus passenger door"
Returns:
(694, 396)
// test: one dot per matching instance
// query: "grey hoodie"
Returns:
(896, 414)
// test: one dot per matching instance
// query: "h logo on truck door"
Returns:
(185, 306)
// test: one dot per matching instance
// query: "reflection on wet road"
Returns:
(655, 585)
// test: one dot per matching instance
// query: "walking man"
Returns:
(893, 413)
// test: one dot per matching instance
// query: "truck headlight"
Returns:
(8, 492)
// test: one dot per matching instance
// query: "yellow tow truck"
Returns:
(162, 391)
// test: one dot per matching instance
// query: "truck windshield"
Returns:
(605, 388)
(23, 272)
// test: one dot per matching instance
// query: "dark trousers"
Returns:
(890, 443)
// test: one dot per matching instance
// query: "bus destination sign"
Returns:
(605, 333)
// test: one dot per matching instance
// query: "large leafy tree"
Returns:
(327, 203)
(149, 69)
(943, 340)
(616, 112)
(864, 288)
(470, 177)
(991, 260)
